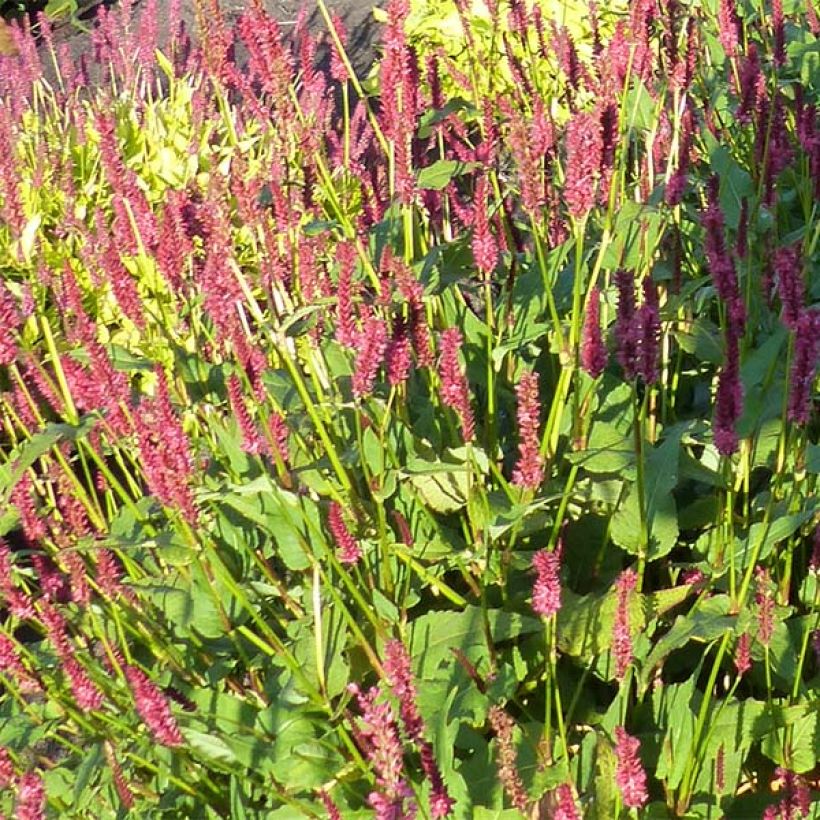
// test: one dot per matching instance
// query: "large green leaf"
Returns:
(660, 478)
(435, 635)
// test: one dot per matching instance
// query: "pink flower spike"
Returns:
(593, 349)
(765, 606)
(622, 633)
(630, 776)
(743, 658)
(546, 592)
(455, 391)
(563, 802)
(153, 708)
(399, 676)
(349, 550)
(372, 345)
(378, 736)
(529, 471)
(31, 798)
(585, 152)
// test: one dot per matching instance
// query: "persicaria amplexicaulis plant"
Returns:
(300, 357)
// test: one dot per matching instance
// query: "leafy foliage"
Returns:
(441, 441)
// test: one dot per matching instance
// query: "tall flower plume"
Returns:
(529, 471)
(508, 774)
(399, 677)
(622, 630)
(630, 775)
(804, 366)
(165, 451)
(585, 151)
(625, 335)
(378, 737)
(593, 349)
(349, 550)
(372, 345)
(455, 391)
(153, 708)
(790, 287)
(31, 798)
(764, 600)
(546, 592)
(719, 260)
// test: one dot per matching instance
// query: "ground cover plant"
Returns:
(441, 444)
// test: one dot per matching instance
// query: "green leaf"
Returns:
(211, 748)
(699, 625)
(735, 184)
(438, 175)
(607, 451)
(282, 515)
(674, 708)
(660, 478)
(443, 485)
(436, 634)
(702, 340)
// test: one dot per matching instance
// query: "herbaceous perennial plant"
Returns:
(440, 444)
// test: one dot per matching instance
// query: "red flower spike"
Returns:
(804, 366)
(546, 592)
(349, 550)
(153, 708)
(622, 630)
(455, 391)
(529, 471)
(31, 798)
(378, 737)
(399, 677)
(630, 775)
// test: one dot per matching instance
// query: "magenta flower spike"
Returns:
(546, 592)
(349, 550)
(622, 630)
(630, 775)
(455, 391)
(593, 350)
(529, 471)
(153, 708)
(399, 677)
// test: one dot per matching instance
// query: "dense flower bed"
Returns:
(441, 444)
